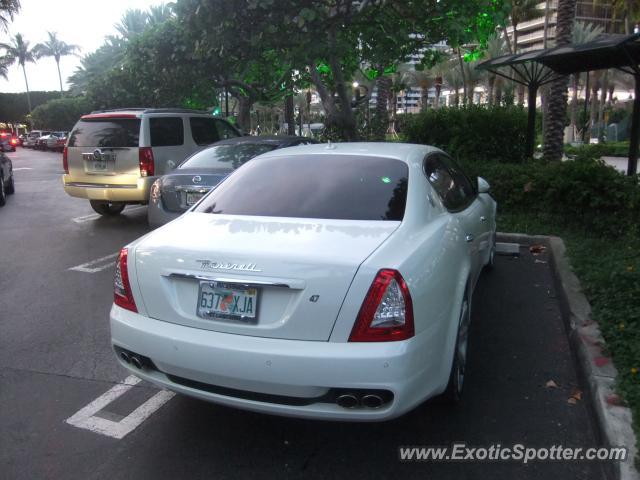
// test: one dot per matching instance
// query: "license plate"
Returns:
(228, 301)
(193, 198)
(99, 166)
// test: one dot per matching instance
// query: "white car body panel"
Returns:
(302, 350)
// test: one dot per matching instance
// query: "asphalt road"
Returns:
(55, 358)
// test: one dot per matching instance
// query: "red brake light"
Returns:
(147, 165)
(65, 160)
(14, 141)
(122, 295)
(386, 314)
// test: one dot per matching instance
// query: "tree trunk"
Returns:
(424, 98)
(288, 115)
(603, 99)
(383, 84)
(24, 71)
(438, 85)
(462, 75)
(490, 89)
(554, 132)
(520, 95)
(593, 113)
(59, 77)
(244, 113)
(456, 97)
(574, 106)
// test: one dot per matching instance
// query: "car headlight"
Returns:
(155, 191)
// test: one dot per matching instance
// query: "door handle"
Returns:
(483, 218)
(469, 237)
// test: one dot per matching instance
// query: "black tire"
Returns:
(3, 193)
(453, 392)
(10, 189)
(107, 208)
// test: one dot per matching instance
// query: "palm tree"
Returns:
(159, 14)
(132, 23)
(18, 51)
(557, 100)
(8, 8)
(56, 48)
(496, 47)
(453, 79)
(582, 33)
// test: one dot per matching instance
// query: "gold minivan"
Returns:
(112, 157)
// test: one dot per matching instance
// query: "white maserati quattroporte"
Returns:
(325, 281)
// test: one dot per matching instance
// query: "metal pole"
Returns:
(531, 120)
(634, 140)
(226, 102)
(586, 126)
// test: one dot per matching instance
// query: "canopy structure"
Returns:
(535, 68)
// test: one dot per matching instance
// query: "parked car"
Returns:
(173, 194)
(7, 186)
(33, 136)
(56, 141)
(8, 142)
(323, 281)
(113, 157)
(21, 139)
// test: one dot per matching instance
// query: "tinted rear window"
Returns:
(314, 186)
(112, 132)
(166, 131)
(204, 130)
(226, 156)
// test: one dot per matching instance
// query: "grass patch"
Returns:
(609, 271)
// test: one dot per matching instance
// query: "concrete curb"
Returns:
(613, 419)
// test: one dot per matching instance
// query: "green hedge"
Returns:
(586, 194)
(472, 133)
(597, 150)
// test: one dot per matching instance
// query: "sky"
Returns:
(81, 22)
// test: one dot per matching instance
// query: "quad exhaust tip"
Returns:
(125, 357)
(347, 401)
(372, 401)
(136, 362)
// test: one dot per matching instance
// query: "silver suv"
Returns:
(112, 157)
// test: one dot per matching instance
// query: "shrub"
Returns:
(586, 194)
(597, 150)
(60, 113)
(472, 133)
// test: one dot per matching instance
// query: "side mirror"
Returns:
(483, 185)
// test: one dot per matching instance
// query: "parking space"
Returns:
(69, 411)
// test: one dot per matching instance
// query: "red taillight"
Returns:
(14, 141)
(65, 160)
(386, 315)
(122, 295)
(147, 166)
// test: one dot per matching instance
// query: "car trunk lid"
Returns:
(184, 187)
(297, 271)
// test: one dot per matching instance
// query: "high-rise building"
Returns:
(531, 34)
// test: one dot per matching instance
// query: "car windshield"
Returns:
(229, 156)
(113, 132)
(314, 186)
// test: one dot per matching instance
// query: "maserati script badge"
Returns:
(243, 267)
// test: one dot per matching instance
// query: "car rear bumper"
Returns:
(138, 192)
(188, 360)
(158, 215)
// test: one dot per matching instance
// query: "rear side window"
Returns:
(166, 131)
(204, 130)
(451, 185)
(101, 132)
(225, 130)
(314, 186)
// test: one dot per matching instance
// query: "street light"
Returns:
(355, 84)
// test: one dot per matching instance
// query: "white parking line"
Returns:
(94, 216)
(85, 418)
(96, 265)
(22, 168)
